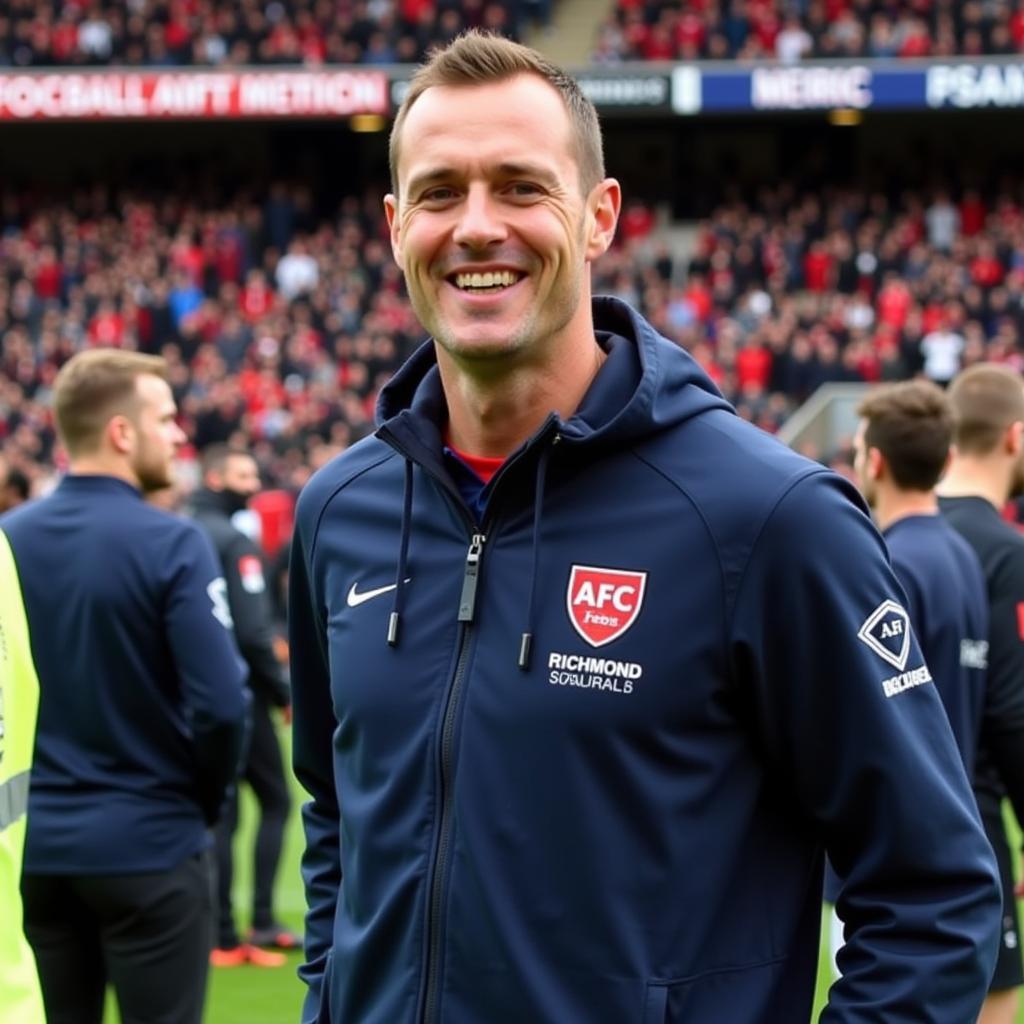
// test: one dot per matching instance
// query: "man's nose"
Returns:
(480, 222)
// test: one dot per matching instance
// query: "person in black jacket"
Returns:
(987, 468)
(142, 707)
(230, 479)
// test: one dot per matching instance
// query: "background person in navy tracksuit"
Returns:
(142, 708)
(901, 450)
(230, 478)
(577, 735)
(987, 468)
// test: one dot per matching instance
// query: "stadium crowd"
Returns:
(170, 33)
(281, 323)
(790, 31)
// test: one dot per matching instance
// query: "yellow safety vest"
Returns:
(20, 999)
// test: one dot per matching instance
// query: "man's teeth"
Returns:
(492, 279)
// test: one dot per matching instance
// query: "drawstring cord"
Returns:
(526, 640)
(403, 555)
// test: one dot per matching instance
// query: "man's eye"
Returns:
(437, 195)
(523, 188)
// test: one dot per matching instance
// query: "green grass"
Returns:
(251, 995)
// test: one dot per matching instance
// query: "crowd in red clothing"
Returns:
(788, 291)
(791, 30)
(281, 322)
(163, 33)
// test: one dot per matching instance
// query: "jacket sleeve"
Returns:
(212, 674)
(253, 618)
(313, 726)
(862, 743)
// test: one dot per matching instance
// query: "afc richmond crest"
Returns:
(887, 632)
(604, 603)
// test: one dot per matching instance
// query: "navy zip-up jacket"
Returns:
(578, 762)
(142, 698)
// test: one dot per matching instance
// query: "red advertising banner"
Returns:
(183, 94)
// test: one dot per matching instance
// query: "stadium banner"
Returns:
(251, 93)
(995, 83)
(626, 90)
(629, 90)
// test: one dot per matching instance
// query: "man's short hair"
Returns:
(214, 457)
(987, 399)
(911, 424)
(95, 385)
(479, 58)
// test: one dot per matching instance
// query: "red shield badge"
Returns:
(250, 571)
(604, 603)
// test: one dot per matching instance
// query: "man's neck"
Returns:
(891, 505)
(100, 465)
(976, 478)
(493, 415)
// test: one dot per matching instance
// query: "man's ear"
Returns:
(603, 206)
(1013, 439)
(120, 434)
(394, 229)
(876, 463)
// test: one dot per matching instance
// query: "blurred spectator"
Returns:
(793, 42)
(297, 272)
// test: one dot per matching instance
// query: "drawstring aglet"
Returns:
(393, 630)
(525, 646)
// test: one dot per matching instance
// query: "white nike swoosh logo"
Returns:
(355, 598)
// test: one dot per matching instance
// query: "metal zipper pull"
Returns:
(467, 603)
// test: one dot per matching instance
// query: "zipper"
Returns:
(430, 994)
(431, 1004)
(467, 602)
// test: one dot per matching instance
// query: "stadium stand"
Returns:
(779, 30)
(170, 33)
(281, 323)
(176, 33)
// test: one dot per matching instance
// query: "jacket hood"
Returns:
(646, 384)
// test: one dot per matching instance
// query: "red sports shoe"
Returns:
(238, 956)
(263, 958)
(233, 957)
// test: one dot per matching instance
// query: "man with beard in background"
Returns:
(986, 469)
(142, 707)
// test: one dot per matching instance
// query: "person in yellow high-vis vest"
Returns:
(21, 1001)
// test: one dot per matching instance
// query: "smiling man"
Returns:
(577, 750)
